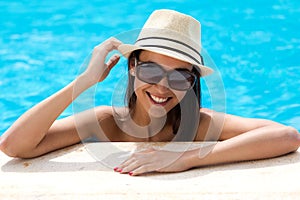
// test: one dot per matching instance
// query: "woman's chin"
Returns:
(157, 111)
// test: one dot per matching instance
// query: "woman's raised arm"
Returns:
(37, 132)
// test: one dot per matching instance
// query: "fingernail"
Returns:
(130, 173)
(119, 170)
(116, 168)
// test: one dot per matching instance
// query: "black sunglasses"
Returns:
(153, 73)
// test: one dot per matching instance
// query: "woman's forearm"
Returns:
(28, 131)
(265, 142)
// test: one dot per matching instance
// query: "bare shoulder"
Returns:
(107, 128)
(221, 126)
(210, 125)
(103, 112)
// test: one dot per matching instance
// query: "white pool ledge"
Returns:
(73, 173)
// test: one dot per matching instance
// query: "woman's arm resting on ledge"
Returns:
(246, 139)
(242, 139)
(265, 142)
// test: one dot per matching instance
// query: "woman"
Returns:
(163, 102)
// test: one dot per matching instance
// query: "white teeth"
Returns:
(158, 99)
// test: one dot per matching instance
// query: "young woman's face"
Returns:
(158, 99)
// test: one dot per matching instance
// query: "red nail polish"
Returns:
(116, 169)
(119, 170)
(130, 173)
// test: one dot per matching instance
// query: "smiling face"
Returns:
(157, 99)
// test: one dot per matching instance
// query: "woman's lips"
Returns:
(158, 100)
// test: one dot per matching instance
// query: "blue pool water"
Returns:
(254, 44)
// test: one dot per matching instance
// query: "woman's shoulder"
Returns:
(212, 114)
(210, 125)
(104, 112)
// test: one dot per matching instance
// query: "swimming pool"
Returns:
(255, 45)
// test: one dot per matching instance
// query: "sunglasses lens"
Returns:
(150, 73)
(181, 80)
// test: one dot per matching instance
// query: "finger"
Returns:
(132, 166)
(113, 61)
(112, 41)
(111, 44)
(141, 170)
(102, 50)
(139, 157)
(124, 164)
(130, 161)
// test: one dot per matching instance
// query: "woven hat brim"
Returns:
(127, 49)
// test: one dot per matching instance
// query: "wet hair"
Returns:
(184, 121)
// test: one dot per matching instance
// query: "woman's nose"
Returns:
(162, 85)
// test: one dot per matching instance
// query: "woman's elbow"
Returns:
(291, 137)
(6, 147)
(9, 148)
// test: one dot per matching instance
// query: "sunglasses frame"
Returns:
(165, 74)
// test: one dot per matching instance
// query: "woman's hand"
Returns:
(97, 69)
(154, 160)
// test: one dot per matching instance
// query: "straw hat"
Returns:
(172, 34)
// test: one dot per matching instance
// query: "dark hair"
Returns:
(185, 121)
